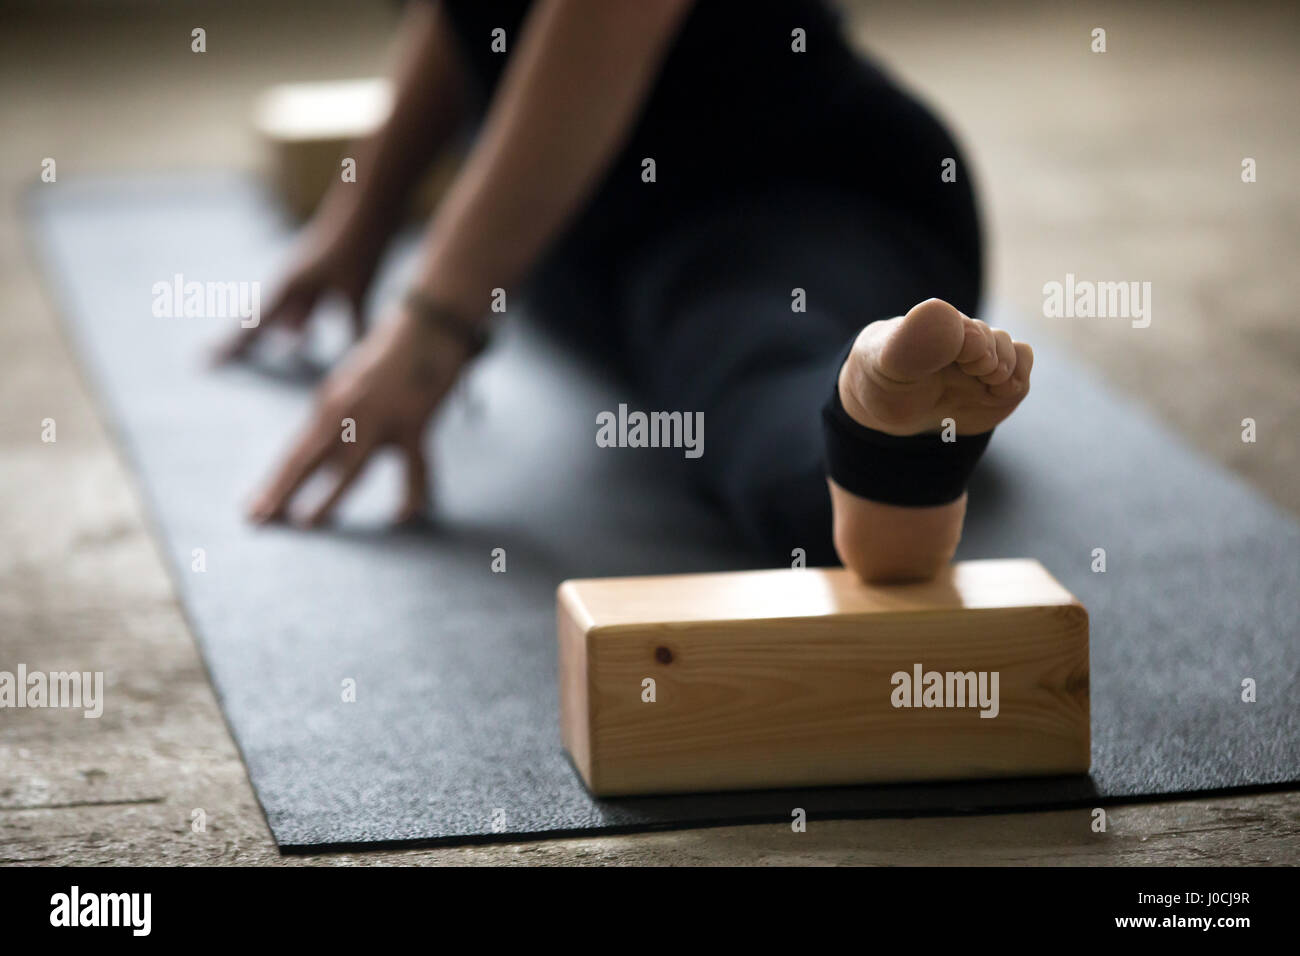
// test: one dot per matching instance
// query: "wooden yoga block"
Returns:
(806, 677)
(310, 127)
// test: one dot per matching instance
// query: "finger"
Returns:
(236, 345)
(357, 316)
(1018, 383)
(416, 503)
(290, 307)
(312, 449)
(987, 360)
(351, 469)
(240, 341)
(1006, 359)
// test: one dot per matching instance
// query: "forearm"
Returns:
(564, 106)
(429, 107)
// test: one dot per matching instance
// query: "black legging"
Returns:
(701, 319)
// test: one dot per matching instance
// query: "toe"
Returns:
(1017, 386)
(928, 338)
(976, 343)
(1006, 359)
(984, 357)
(1024, 361)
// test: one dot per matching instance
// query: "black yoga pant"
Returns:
(701, 319)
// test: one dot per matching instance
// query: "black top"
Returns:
(736, 109)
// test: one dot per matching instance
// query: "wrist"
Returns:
(446, 323)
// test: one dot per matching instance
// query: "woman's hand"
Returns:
(388, 387)
(343, 244)
(330, 259)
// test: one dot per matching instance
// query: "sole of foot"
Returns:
(909, 375)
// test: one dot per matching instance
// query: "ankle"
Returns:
(883, 543)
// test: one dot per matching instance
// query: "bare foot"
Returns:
(906, 375)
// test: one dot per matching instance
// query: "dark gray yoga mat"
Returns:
(453, 735)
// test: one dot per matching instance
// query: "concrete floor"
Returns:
(1115, 166)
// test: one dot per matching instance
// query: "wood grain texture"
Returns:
(308, 128)
(784, 678)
